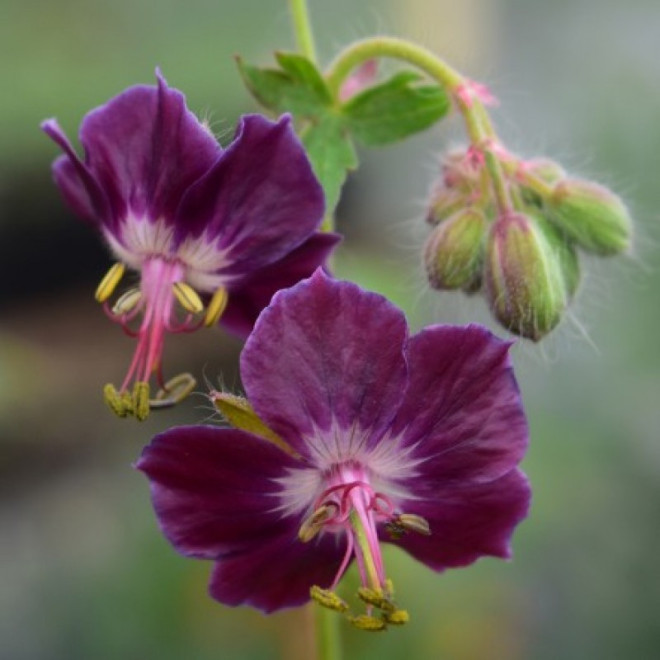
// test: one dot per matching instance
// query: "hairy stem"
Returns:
(477, 122)
(302, 28)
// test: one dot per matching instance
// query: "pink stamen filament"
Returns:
(344, 562)
(358, 509)
(157, 308)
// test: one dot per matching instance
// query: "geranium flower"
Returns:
(234, 225)
(409, 440)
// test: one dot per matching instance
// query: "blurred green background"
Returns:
(85, 572)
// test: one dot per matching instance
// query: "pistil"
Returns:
(350, 505)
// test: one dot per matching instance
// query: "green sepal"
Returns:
(331, 152)
(238, 412)
(565, 252)
(298, 87)
(395, 109)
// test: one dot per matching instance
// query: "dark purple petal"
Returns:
(277, 574)
(146, 148)
(323, 353)
(261, 199)
(462, 409)
(214, 490)
(77, 184)
(468, 522)
(248, 299)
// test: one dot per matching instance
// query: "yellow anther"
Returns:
(109, 282)
(141, 400)
(115, 401)
(313, 524)
(127, 301)
(328, 599)
(376, 597)
(414, 523)
(187, 297)
(127, 400)
(368, 623)
(216, 307)
(389, 588)
(397, 618)
(176, 390)
(407, 522)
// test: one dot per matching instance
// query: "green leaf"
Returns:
(395, 109)
(297, 88)
(331, 152)
(304, 72)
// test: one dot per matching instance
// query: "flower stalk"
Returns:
(466, 94)
(302, 28)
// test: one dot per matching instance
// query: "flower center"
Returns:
(148, 313)
(350, 505)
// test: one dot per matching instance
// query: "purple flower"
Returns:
(410, 440)
(234, 225)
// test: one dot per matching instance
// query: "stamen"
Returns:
(397, 618)
(141, 400)
(368, 623)
(399, 524)
(328, 599)
(414, 523)
(376, 597)
(127, 302)
(175, 390)
(188, 297)
(116, 401)
(109, 282)
(216, 307)
(312, 525)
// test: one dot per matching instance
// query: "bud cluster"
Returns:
(524, 259)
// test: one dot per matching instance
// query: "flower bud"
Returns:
(565, 252)
(545, 169)
(453, 252)
(593, 216)
(444, 203)
(540, 168)
(524, 279)
(459, 171)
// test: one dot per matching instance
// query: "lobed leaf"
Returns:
(395, 109)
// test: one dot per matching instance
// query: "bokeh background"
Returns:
(84, 572)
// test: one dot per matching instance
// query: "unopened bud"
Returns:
(459, 170)
(525, 285)
(545, 169)
(453, 252)
(593, 216)
(444, 203)
(565, 252)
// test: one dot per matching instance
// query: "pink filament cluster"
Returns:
(156, 306)
(349, 491)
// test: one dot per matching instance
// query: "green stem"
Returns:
(477, 122)
(328, 634)
(363, 544)
(501, 190)
(302, 28)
